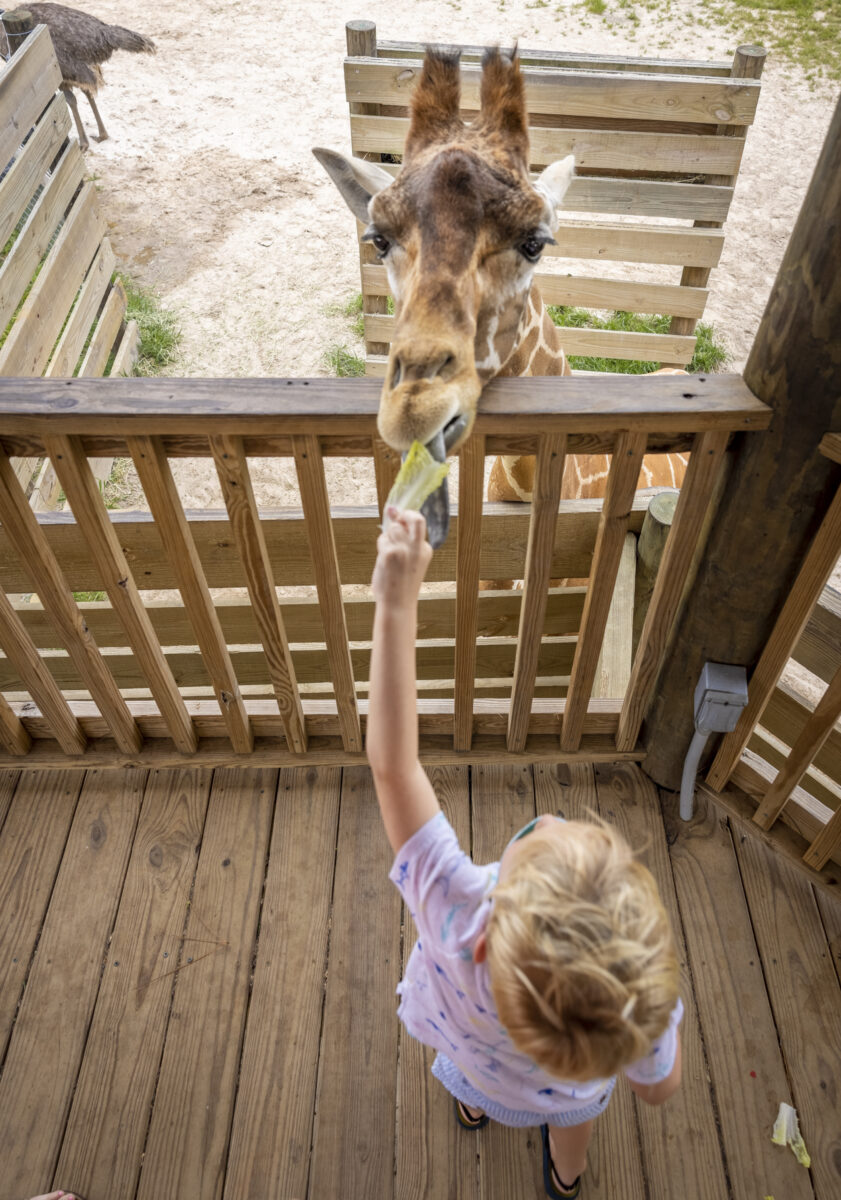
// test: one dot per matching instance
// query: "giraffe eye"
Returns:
(381, 245)
(532, 248)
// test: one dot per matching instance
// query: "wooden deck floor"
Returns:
(197, 976)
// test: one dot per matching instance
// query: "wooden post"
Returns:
(778, 485)
(656, 525)
(18, 23)
(362, 43)
(748, 62)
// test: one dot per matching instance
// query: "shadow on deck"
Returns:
(197, 976)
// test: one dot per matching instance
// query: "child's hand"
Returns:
(403, 554)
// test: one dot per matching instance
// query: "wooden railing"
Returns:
(146, 678)
(784, 755)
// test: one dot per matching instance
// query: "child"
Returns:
(536, 978)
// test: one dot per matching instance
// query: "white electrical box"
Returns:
(720, 696)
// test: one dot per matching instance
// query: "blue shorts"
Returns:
(447, 1073)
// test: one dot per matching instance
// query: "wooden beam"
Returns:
(777, 486)
(31, 545)
(322, 541)
(89, 509)
(235, 480)
(159, 486)
(613, 525)
(549, 470)
(471, 482)
(13, 736)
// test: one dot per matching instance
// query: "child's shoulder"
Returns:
(432, 861)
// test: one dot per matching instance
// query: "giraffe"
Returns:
(460, 231)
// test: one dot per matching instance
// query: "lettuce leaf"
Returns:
(417, 479)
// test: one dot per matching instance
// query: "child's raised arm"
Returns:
(407, 799)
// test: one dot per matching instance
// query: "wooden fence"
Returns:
(658, 144)
(783, 760)
(61, 312)
(283, 680)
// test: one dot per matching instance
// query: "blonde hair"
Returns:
(580, 953)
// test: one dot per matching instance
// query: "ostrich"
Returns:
(81, 43)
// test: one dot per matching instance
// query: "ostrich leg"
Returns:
(74, 108)
(103, 132)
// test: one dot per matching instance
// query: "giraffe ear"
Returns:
(356, 179)
(552, 183)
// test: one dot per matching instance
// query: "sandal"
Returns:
(555, 1186)
(465, 1120)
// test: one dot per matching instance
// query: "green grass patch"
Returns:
(595, 6)
(88, 597)
(160, 333)
(709, 354)
(806, 32)
(343, 362)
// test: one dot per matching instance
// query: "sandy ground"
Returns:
(213, 197)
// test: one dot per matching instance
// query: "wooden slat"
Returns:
(106, 1128)
(39, 322)
(601, 406)
(8, 783)
(627, 295)
(549, 470)
(503, 801)
(316, 503)
(13, 736)
(602, 343)
(705, 463)
(89, 509)
(819, 646)
(359, 1034)
(680, 1143)
(273, 1119)
(27, 85)
(831, 446)
(33, 841)
(126, 355)
(105, 334)
(502, 552)
(75, 333)
(817, 790)
(809, 741)
(42, 1064)
(805, 996)
(570, 59)
(186, 1150)
(29, 248)
(613, 670)
(743, 1052)
(21, 651)
(574, 93)
(25, 534)
(614, 1160)
(435, 716)
(386, 467)
(247, 528)
(498, 616)
(674, 246)
(433, 1156)
(613, 525)
(601, 149)
(162, 494)
(826, 845)
(786, 715)
(27, 172)
(817, 567)
(470, 489)
(325, 751)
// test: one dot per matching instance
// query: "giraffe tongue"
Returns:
(436, 508)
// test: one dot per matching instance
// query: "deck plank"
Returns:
(31, 846)
(746, 1064)
(681, 1151)
(434, 1156)
(8, 783)
(187, 1146)
(103, 1144)
(805, 997)
(830, 910)
(273, 1118)
(353, 1151)
(614, 1161)
(49, 1035)
(510, 1162)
